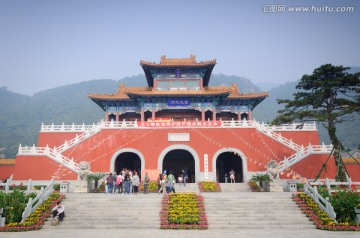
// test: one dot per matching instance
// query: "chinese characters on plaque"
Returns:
(180, 124)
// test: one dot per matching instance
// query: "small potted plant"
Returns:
(300, 187)
(95, 177)
(264, 181)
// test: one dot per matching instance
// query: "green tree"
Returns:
(329, 95)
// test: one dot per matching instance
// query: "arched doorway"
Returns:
(177, 160)
(128, 160)
(225, 162)
(112, 117)
(244, 116)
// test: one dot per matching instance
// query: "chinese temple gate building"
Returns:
(177, 122)
(178, 91)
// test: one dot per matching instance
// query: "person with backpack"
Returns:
(146, 183)
(118, 183)
(170, 183)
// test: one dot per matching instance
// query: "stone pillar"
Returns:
(117, 116)
(142, 114)
(153, 114)
(214, 114)
(239, 116)
(250, 117)
(106, 116)
(202, 115)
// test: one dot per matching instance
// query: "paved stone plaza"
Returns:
(53, 233)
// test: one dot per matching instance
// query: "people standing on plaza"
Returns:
(184, 176)
(146, 183)
(226, 178)
(118, 183)
(114, 180)
(131, 178)
(135, 182)
(127, 182)
(232, 176)
(170, 183)
(180, 179)
(160, 183)
(106, 188)
(110, 183)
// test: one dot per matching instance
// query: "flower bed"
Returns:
(320, 218)
(209, 186)
(36, 219)
(152, 187)
(183, 211)
(254, 187)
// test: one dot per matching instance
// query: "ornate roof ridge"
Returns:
(351, 160)
(7, 161)
(178, 62)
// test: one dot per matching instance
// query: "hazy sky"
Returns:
(45, 44)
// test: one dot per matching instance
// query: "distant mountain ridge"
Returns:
(21, 116)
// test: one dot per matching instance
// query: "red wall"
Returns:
(152, 142)
(310, 167)
(6, 171)
(55, 138)
(302, 137)
(98, 150)
(354, 171)
(39, 168)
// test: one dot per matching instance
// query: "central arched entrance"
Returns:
(225, 162)
(177, 160)
(128, 160)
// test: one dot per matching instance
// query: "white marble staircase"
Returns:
(247, 210)
(225, 211)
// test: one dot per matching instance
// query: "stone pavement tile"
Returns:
(157, 233)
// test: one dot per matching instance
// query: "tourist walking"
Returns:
(127, 181)
(110, 183)
(170, 183)
(160, 183)
(135, 182)
(184, 176)
(118, 183)
(146, 183)
(232, 176)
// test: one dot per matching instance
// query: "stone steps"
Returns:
(254, 211)
(224, 210)
(190, 187)
(103, 211)
(234, 187)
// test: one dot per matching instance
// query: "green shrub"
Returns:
(344, 202)
(300, 186)
(56, 186)
(14, 204)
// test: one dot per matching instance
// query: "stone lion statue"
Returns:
(272, 170)
(84, 170)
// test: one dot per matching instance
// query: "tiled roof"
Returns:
(178, 62)
(351, 160)
(123, 92)
(7, 161)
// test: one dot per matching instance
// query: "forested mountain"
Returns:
(21, 116)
